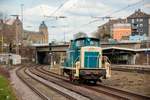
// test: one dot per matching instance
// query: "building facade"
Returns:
(121, 31)
(13, 36)
(105, 31)
(140, 26)
(140, 23)
(40, 37)
(11, 31)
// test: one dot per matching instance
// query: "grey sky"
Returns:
(78, 12)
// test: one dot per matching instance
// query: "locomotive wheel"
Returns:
(93, 82)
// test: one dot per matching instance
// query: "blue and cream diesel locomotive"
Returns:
(84, 60)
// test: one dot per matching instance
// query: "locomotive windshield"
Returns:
(87, 42)
(80, 43)
(94, 43)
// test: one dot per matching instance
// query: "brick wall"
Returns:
(28, 53)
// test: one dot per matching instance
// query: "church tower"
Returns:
(44, 30)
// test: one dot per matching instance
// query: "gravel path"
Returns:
(66, 91)
(134, 82)
(130, 81)
(23, 92)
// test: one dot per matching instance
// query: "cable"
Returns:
(115, 12)
(59, 7)
(128, 6)
(107, 16)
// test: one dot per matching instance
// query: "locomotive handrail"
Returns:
(108, 60)
(75, 60)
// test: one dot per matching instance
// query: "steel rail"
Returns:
(108, 90)
(41, 95)
(64, 79)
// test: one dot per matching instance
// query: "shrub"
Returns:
(4, 72)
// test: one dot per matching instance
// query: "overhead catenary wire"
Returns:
(108, 15)
(117, 11)
(57, 9)
(96, 20)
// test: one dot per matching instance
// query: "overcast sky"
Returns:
(79, 14)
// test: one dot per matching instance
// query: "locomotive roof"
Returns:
(88, 37)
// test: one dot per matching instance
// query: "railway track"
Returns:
(81, 89)
(24, 79)
(113, 92)
(40, 88)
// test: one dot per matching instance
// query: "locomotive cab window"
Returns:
(94, 43)
(80, 43)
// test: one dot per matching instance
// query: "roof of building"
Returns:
(138, 14)
(127, 49)
(114, 21)
(32, 32)
(120, 42)
(118, 48)
(10, 21)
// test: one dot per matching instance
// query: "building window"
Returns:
(137, 19)
(141, 25)
(132, 20)
(140, 30)
(141, 20)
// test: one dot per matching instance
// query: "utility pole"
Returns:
(17, 41)
(64, 27)
(64, 38)
(22, 21)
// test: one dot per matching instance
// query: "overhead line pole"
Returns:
(119, 10)
(22, 20)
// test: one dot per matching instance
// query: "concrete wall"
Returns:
(141, 58)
